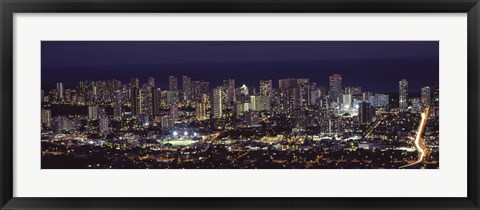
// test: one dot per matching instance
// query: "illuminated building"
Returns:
(316, 97)
(217, 102)
(266, 88)
(187, 88)
(335, 87)
(379, 100)
(60, 91)
(156, 101)
(366, 112)
(259, 103)
(252, 118)
(353, 90)
(46, 118)
(426, 96)
(103, 124)
(287, 95)
(117, 104)
(93, 112)
(347, 101)
(165, 122)
(201, 108)
(416, 105)
(151, 82)
(403, 94)
(173, 87)
(228, 92)
(173, 113)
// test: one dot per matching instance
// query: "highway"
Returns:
(419, 145)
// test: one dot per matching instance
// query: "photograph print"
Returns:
(240, 105)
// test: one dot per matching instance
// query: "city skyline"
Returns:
(71, 62)
(271, 122)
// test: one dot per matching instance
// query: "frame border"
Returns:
(9, 7)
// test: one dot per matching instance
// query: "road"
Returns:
(419, 145)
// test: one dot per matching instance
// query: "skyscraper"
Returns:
(103, 124)
(266, 88)
(151, 82)
(93, 112)
(156, 101)
(172, 83)
(47, 118)
(60, 91)
(287, 95)
(403, 94)
(426, 96)
(187, 88)
(117, 104)
(229, 86)
(366, 112)
(217, 102)
(173, 113)
(200, 108)
(335, 86)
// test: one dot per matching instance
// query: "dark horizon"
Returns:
(376, 66)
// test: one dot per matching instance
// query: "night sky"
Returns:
(376, 66)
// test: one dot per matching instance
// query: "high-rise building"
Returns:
(46, 118)
(151, 82)
(266, 88)
(173, 87)
(93, 112)
(335, 87)
(379, 100)
(347, 101)
(252, 118)
(103, 124)
(416, 105)
(134, 82)
(403, 94)
(259, 103)
(173, 113)
(117, 104)
(187, 88)
(316, 97)
(426, 96)
(156, 101)
(60, 91)
(366, 112)
(288, 97)
(200, 108)
(228, 92)
(172, 83)
(217, 102)
(165, 122)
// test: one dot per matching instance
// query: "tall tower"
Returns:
(172, 83)
(266, 88)
(335, 86)
(217, 102)
(60, 91)
(187, 88)
(403, 94)
(426, 96)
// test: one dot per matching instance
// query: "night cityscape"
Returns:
(240, 105)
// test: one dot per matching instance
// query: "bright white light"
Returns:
(195, 134)
(185, 133)
(175, 133)
(356, 106)
(347, 106)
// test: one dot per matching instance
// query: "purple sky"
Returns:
(374, 65)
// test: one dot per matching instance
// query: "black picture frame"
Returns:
(9, 7)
